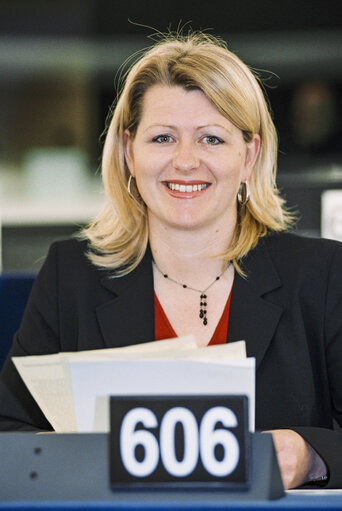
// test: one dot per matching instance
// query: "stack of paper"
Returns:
(72, 389)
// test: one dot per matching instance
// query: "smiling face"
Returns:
(188, 160)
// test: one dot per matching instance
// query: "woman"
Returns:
(192, 240)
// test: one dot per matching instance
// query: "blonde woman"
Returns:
(193, 239)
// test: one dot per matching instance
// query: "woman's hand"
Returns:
(294, 457)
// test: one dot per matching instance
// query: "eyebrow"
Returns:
(215, 125)
(170, 126)
(157, 125)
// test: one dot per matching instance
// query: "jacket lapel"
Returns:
(252, 317)
(129, 317)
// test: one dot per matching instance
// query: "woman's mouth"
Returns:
(186, 188)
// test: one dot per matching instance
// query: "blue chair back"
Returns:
(14, 291)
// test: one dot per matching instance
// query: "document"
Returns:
(73, 389)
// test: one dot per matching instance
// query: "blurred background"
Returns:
(58, 67)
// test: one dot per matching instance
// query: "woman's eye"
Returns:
(212, 140)
(162, 139)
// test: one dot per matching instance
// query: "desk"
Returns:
(75, 467)
(304, 500)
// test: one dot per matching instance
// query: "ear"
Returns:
(253, 149)
(128, 150)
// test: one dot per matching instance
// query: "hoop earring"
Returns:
(129, 185)
(243, 195)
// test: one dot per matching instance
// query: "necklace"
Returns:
(203, 295)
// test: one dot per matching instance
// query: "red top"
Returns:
(164, 330)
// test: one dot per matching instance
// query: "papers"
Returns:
(72, 389)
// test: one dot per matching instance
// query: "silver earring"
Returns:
(243, 195)
(129, 185)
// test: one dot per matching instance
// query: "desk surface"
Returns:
(301, 500)
(70, 472)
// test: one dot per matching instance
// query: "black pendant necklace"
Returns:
(203, 295)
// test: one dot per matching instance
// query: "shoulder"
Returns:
(294, 257)
(299, 247)
(297, 269)
(299, 258)
(71, 251)
(68, 260)
(71, 247)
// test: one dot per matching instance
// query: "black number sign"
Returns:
(179, 440)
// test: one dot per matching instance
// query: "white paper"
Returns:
(98, 380)
(47, 379)
(72, 389)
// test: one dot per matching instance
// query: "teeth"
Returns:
(186, 188)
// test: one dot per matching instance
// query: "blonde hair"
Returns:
(119, 235)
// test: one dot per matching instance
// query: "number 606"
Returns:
(200, 442)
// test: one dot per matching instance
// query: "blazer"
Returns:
(288, 309)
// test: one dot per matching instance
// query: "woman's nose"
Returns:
(185, 157)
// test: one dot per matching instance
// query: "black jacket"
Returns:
(288, 309)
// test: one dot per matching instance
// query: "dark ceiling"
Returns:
(103, 18)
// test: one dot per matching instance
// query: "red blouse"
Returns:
(164, 330)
